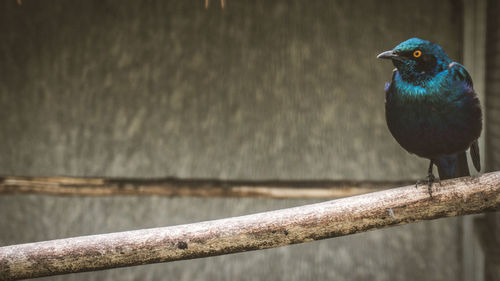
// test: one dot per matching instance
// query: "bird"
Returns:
(431, 108)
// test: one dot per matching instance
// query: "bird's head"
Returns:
(417, 59)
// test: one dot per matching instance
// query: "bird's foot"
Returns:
(429, 181)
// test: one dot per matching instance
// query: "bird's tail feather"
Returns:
(474, 155)
(453, 166)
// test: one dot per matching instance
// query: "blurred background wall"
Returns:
(254, 90)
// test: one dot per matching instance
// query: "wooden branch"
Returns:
(252, 232)
(198, 187)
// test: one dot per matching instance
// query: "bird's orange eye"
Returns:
(417, 53)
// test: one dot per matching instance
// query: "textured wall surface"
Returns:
(491, 224)
(259, 90)
(492, 102)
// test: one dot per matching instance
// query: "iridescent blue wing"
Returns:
(459, 73)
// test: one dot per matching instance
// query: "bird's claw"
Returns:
(429, 181)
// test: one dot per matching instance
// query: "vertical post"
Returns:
(474, 59)
(474, 56)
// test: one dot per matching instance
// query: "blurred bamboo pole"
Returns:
(192, 187)
(252, 232)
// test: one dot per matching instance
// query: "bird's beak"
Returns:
(388, 55)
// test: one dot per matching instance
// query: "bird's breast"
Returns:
(430, 122)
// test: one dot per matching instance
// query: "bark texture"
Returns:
(252, 232)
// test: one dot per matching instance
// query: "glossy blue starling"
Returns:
(431, 108)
